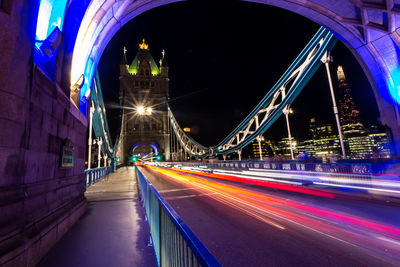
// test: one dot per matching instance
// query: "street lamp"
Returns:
(140, 110)
(144, 111)
(287, 110)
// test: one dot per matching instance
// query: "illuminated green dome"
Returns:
(143, 55)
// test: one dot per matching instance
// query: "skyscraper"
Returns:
(349, 115)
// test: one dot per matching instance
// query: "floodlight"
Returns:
(140, 110)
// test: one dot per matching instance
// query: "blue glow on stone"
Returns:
(394, 84)
(51, 15)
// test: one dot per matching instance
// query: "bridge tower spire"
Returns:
(143, 87)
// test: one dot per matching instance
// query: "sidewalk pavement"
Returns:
(112, 232)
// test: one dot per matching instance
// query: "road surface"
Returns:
(246, 225)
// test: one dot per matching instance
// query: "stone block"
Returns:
(36, 189)
(38, 141)
(63, 226)
(62, 131)
(9, 212)
(51, 198)
(11, 134)
(72, 135)
(20, 260)
(39, 166)
(48, 240)
(35, 205)
(41, 99)
(55, 144)
(49, 124)
(43, 83)
(12, 107)
(33, 253)
(68, 118)
(60, 172)
(79, 166)
(11, 166)
(35, 116)
(57, 111)
(62, 100)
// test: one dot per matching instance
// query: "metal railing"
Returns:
(360, 176)
(173, 242)
(93, 175)
(359, 168)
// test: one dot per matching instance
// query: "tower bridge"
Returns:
(143, 94)
(50, 97)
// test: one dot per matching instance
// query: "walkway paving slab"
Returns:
(113, 231)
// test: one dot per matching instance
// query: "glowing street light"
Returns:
(140, 110)
(149, 110)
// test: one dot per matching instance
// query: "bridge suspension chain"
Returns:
(100, 123)
(272, 106)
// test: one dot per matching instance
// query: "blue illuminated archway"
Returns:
(152, 145)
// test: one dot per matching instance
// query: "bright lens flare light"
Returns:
(140, 110)
(149, 110)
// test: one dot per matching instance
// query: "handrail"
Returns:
(94, 175)
(173, 242)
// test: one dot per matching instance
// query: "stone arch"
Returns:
(152, 145)
(374, 43)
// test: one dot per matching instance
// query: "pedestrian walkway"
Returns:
(113, 231)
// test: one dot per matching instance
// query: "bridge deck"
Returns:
(113, 232)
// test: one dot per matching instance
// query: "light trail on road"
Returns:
(320, 224)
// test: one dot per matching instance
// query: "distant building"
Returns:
(349, 115)
(324, 143)
(380, 144)
(266, 149)
(283, 147)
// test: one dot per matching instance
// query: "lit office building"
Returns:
(283, 147)
(349, 115)
(266, 149)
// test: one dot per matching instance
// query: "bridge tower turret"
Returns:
(143, 88)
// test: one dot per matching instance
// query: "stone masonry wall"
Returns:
(39, 201)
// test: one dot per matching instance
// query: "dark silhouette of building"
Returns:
(143, 93)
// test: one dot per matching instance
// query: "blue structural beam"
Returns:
(270, 108)
(100, 124)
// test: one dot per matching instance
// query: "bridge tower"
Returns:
(143, 93)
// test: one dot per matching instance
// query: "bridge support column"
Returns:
(224, 156)
(240, 154)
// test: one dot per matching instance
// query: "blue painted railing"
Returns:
(349, 168)
(93, 175)
(173, 242)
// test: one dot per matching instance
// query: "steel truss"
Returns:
(272, 106)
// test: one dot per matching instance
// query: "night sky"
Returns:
(223, 57)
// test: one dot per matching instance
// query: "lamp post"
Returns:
(99, 143)
(287, 110)
(259, 139)
(90, 135)
(326, 59)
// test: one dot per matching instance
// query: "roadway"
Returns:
(248, 225)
